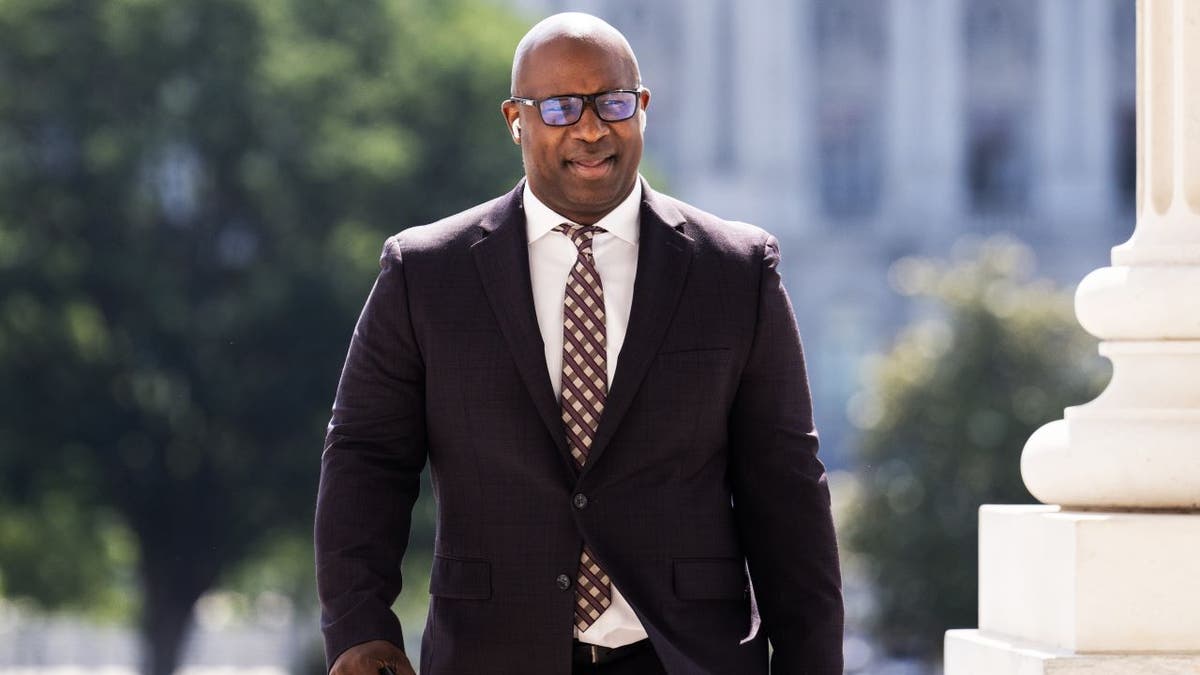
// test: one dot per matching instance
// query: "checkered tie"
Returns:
(584, 388)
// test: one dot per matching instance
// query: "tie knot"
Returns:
(580, 235)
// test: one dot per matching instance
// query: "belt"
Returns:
(595, 654)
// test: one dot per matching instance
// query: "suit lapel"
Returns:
(664, 255)
(502, 258)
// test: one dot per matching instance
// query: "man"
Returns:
(609, 387)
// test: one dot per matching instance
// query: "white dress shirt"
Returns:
(551, 257)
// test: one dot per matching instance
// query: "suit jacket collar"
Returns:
(664, 256)
(502, 258)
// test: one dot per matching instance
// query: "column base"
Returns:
(1090, 581)
(974, 652)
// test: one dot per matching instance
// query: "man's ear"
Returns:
(645, 104)
(512, 119)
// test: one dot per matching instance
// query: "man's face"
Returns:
(584, 170)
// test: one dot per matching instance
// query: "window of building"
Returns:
(725, 149)
(1124, 40)
(1001, 60)
(851, 49)
(998, 161)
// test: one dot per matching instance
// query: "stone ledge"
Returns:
(973, 652)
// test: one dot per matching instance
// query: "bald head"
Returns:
(577, 67)
(583, 29)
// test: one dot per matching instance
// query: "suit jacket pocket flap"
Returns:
(709, 579)
(460, 579)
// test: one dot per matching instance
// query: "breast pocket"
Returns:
(683, 393)
(694, 358)
(687, 381)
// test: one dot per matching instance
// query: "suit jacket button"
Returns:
(580, 501)
(563, 581)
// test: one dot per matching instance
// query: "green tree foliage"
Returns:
(945, 415)
(193, 196)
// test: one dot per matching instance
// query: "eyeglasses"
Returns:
(563, 111)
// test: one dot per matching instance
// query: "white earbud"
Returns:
(516, 130)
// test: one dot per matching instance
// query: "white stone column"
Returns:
(1138, 444)
(1107, 582)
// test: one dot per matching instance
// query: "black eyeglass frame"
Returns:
(586, 98)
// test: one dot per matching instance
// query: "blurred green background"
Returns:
(193, 197)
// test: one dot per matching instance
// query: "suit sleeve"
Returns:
(374, 452)
(781, 495)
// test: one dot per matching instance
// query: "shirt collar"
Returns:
(622, 221)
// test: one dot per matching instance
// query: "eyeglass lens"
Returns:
(610, 106)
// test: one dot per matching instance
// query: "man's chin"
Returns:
(584, 201)
(597, 200)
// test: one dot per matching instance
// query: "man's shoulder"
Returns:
(710, 230)
(448, 232)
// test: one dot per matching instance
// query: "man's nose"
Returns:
(590, 127)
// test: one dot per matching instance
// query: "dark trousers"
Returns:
(645, 662)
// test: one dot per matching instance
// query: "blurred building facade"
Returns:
(863, 131)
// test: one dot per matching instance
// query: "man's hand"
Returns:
(369, 657)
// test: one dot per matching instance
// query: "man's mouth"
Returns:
(591, 167)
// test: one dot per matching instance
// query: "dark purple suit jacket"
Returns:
(704, 464)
